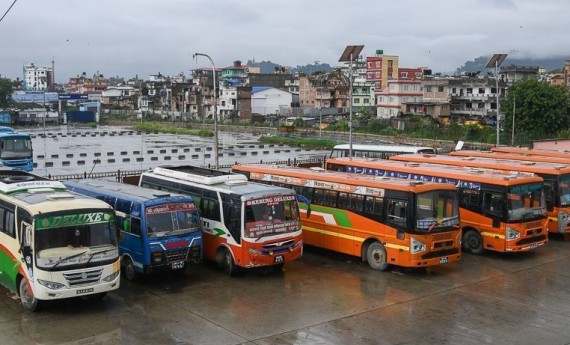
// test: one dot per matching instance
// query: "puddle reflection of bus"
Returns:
(381, 221)
(500, 211)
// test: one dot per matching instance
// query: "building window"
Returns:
(405, 87)
(440, 89)
(469, 90)
(369, 64)
(404, 75)
(453, 90)
(481, 105)
(356, 100)
(468, 105)
(428, 88)
(378, 64)
(481, 91)
(366, 100)
(390, 63)
(377, 74)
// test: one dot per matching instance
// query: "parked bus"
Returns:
(381, 221)
(532, 152)
(16, 149)
(556, 181)
(158, 231)
(54, 243)
(245, 224)
(377, 151)
(500, 211)
(510, 156)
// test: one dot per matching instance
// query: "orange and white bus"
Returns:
(532, 152)
(500, 211)
(511, 156)
(383, 221)
(245, 224)
(556, 181)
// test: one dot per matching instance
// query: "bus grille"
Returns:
(443, 236)
(439, 253)
(83, 278)
(536, 224)
(531, 240)
(533, 232)
(177, 255)
(277, 244)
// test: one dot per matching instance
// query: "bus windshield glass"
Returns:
(172, 219)
(15, 148)
(564, 190)
(526, 202)
(437, 210)
(271, 215)
(75, 239)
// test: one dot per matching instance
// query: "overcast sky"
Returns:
(143, 37)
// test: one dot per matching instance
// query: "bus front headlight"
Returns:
(416, 246)
(51, 285)
(512, 234)
(111, 276)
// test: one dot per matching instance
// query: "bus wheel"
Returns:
(29, 301)
(472, 242)
(376, 256)
(129, 269)
(226, 262)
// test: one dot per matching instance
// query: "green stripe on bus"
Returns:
(8, 269)
(340, 215)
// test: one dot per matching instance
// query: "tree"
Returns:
(541, 110)
(5, 93)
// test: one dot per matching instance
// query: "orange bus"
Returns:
(511, 156)
(556, 181)
(383, 221)
(245, 224)
(532, 152)
(500, 211)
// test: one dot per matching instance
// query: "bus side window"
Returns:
(210, 209)
(549, 195)
(135, 226)
(492, 203)
(397, 212)
(232, 219)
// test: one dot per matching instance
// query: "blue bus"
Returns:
(157, 230)
(16, 149)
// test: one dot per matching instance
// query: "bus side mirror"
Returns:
(308, 210)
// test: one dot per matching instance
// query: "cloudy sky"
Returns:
(143, 37)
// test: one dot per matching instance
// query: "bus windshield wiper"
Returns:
(67, 258)
(99, 252)
(263, 235)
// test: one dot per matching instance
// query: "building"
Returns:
(381, 68)
(270, 101)
(436, 99)
(37, 78)
(474, 98)
(399, 96)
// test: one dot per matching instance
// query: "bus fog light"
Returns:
(51, 285)
(111, 276)
(416, 246)
(512, 234)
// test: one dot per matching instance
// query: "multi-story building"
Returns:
(474, 98)
(400, 96)
(512, 73)
(381, 68)
(37, 78)
(436, 99)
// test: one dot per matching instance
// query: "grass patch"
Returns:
(148, 127)
(296, 141)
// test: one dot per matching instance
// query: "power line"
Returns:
(8, 10)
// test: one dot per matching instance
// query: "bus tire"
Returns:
(472, 242)
(226, 262)
(376, 256)
(129, 269)
(29, 301)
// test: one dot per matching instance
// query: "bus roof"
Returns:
(511, 156)
(543, 168)
(17, 181)
(46, 201)
(125, 191)
(534, 152)
(479, 175)
(223, 181)
(383, 148)
(341, 178)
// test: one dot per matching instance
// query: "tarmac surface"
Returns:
(322, 298)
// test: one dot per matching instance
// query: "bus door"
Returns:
(493, 207)
(131, 239)
(26, 241)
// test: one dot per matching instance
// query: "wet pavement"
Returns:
(323, 298)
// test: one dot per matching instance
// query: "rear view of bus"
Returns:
(246, 224)
(159, 231)
(54, 243)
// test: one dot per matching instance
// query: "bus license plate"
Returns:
(533, 245)
(443, 260)
(278, 259)
(82, 291)
(177, 265)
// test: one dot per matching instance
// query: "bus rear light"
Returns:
(512, 234)
(416, 246)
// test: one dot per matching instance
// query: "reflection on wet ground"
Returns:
(323, 298)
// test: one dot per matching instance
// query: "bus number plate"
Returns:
(82, 291)
(533, 245)
(177, 265)
(443, 260)
(278, 259)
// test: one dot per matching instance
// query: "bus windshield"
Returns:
(74, 239)
(271, 216)
(172, 219)
(564, 187)
(15, 148)
(437, 210)
(526, 202)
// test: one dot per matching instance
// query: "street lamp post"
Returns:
(347, 56)
(215, 114)
(495, 61)
(513, 129)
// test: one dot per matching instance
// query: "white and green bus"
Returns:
(54, 243)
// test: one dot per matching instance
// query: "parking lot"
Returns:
(323, 298)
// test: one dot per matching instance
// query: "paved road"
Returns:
(323, 298)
